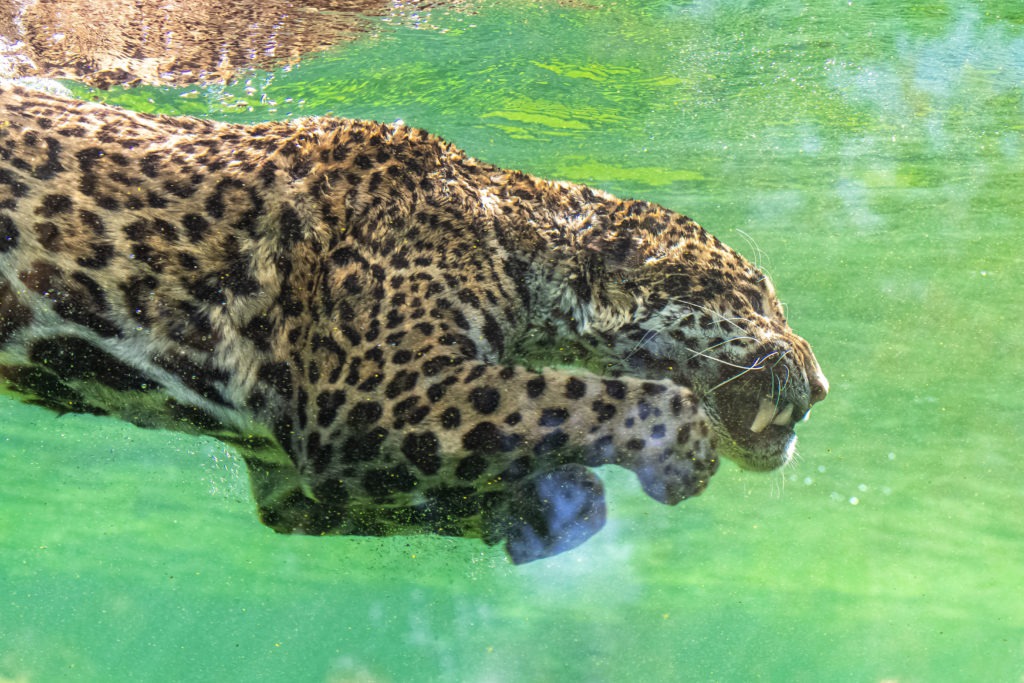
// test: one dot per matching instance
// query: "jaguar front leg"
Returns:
(411, 433)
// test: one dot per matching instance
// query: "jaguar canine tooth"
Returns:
(765, 413)
(782, 419)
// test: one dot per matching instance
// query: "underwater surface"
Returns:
(868, 154)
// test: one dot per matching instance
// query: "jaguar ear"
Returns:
(615, 252)
(611, 251)
(605, 282)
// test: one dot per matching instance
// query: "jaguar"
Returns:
(396, 337)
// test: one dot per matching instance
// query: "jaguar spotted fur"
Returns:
(396, 337)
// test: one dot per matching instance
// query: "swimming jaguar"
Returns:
(396, 337)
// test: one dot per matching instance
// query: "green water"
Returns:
(869, 154)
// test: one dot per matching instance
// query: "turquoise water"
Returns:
(870, 155)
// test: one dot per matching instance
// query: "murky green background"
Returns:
(869, 154)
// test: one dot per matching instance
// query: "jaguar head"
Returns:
(693, 310)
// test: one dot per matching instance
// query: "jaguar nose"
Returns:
(819, 386)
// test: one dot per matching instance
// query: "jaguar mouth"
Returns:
(769, 413)
(759, 439)
(755, 415)
(753, 403)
